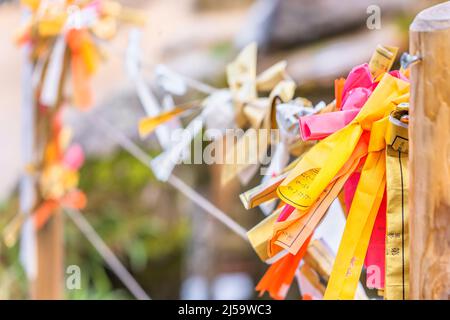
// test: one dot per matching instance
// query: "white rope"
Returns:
(174, 181)
(108, 256)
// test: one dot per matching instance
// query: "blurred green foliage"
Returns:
(126, 208)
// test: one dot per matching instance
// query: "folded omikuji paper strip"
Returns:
(376, 249)
(352, 249)
(351, 148)
(58, 40)
(375, 256)
(317, 179)
(291, 233)
(321, 164)
(243, 104)
(285, 92)
(319, 258)
(250, 109)
(362, 215)
(58, 180)
(397, 231)
(350, 96)
(375, 261)
(279, 276)
(357, 89)
(61, 34)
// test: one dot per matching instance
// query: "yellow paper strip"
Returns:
(261, 193)
(397, 235)
(260, 235)
(352, 249)
(382, 60)
(319, 166)
(293, 237)
(148, 125)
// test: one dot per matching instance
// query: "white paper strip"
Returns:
(164, 163)
(147, 99)
(27, 254)
(52, 80)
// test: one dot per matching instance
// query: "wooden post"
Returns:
(429, 199)
(49, 279)
(49, 283)
(46, 272)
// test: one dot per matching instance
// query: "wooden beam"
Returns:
(429, 200)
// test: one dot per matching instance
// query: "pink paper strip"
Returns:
(316, 127)
(375, 256)
(356, 98)
(357, 89)
(285, 213)
(359, 77)
(74, 157)
(350, 189)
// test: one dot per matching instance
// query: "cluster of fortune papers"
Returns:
(353, 150)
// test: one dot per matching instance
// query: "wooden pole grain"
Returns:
(429, 200)
(49, 284)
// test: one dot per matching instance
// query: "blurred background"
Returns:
(171, 246)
